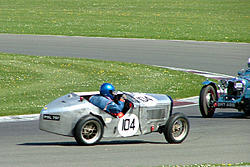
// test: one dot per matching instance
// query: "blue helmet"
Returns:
(107, 89)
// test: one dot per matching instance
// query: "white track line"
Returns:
(18, 118)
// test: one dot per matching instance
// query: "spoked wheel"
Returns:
(88, 130)
(177, 128)
(207, 100)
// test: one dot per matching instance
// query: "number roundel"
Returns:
(128, 125)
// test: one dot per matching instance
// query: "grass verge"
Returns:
(206, 20)
(242, 164)
(27, 83)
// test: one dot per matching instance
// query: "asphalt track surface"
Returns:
(225, 58)
(222, 139)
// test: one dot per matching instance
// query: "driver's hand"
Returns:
(124, 96)
(122, 99)
(116, 99)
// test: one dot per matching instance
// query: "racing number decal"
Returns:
(128, 125)
(145, 99)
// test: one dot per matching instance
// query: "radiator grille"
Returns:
(156, 114)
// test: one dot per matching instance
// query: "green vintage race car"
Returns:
(230, 93)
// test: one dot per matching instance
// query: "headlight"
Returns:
(238, 85)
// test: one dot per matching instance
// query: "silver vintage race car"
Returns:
(73, 115)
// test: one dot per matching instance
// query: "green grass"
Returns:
(27, 83)
(206, 20)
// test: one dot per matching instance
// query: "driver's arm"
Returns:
(115, 107)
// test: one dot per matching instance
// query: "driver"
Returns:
(248, 70)
(106, 100)
(248, 63)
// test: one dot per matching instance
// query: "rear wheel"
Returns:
(207, 100)
(88, 130)
(177, 128)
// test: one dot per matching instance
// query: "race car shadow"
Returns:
(119, 142)
(236, 115)
(224, 114)
(112, 142)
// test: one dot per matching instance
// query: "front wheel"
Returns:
(88, 130)
(206, 101)
(177, 128)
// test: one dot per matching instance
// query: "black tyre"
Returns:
(88, 130)
(177, 128)
(247, 107)
(206, 101)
